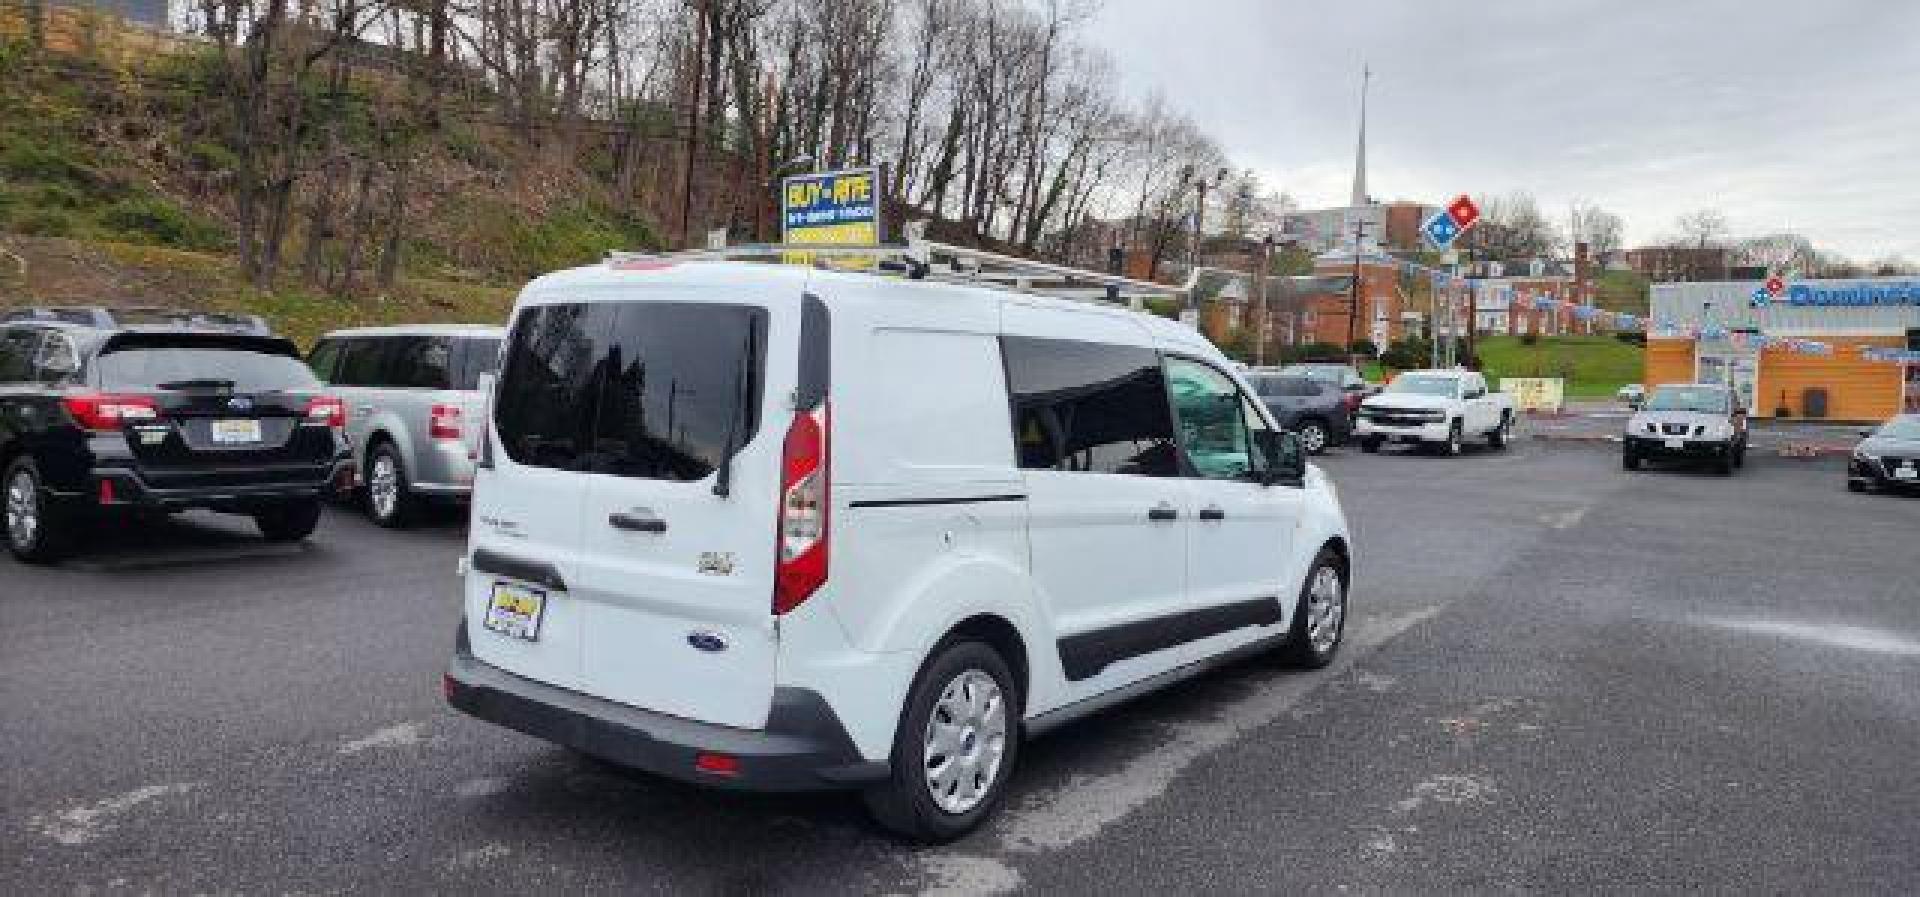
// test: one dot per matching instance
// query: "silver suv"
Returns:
(414, 406)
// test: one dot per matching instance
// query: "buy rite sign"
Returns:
(831, 207)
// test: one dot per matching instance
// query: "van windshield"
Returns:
(652, 390)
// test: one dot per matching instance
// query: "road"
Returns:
(1560, 677)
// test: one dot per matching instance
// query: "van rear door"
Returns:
(615, 415)
(677, 579)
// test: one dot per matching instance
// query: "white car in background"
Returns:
(1633, 394)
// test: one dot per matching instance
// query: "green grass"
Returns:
(1593, 366)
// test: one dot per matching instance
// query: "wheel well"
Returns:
(1003, 638)
(1338, 546)
(374, 440)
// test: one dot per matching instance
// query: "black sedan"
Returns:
(1888, 458)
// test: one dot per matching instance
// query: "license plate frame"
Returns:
(1906, 472)
(1676, 443)
(235, 431)
(520, 614)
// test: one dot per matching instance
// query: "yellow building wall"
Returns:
(1669, 361)
(1857, 389)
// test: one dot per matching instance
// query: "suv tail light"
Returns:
(327, 411)
(106, 413)
(801, 567)
(444, 422)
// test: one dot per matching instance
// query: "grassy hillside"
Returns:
(64, 271)
(1592, 365)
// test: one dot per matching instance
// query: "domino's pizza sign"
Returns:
(1837, 293)
(1446, 226)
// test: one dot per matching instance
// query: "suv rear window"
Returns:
(639, 389)
(142, 368)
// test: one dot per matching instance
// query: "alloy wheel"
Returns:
(23, 510)
(966, 740)
(1326, 609)
(383, 486)
(1313, 438)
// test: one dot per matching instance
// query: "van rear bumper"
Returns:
(803, 748)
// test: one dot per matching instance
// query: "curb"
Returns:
(1575, 437)
(1814, 450)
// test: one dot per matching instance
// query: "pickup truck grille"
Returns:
(1397, 417)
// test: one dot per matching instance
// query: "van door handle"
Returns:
(1163, 512)
(1212, 514)
(363, 409)
(636, 523)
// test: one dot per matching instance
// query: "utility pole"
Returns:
(1353, 312)
(693, 130)
(1260, 284)
(1200, 186)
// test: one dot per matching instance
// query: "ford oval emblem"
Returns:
(709, 642)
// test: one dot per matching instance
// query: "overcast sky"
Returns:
(1799, 116)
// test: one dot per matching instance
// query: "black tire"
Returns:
(1452, 447)
(1856, 486)
(1740, 455)
(1301, 650)
(1314, 442)
(399, 511)
(1724, 464)
(1370, 444)
(1629, 460)
(1498, 439)
(288, 522)
(904, 804)
(37, 530)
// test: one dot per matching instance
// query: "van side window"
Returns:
(471, 358)
(56, 361)
(1213, 420)
(422, 362)
(1089, 407)
(324, 358)
(363, 362)
(16, 354)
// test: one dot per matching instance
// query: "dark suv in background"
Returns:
(1316, 409)
(158, 411)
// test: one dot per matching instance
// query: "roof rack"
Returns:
(139, 316)
(922, 259)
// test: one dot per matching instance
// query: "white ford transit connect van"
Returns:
(772, 527)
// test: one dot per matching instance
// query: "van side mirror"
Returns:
(1285, 459)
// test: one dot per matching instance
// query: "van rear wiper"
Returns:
(198, 383)
(742, 376)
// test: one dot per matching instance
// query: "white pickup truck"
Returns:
(1440, 409)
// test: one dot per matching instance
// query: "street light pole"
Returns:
(1260, 284)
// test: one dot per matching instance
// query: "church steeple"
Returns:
(1360, 154)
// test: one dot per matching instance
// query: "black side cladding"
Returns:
(1083, 655)
(816, 349)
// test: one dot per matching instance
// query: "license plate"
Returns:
(1906, 473)
(1676, 443)
(230, 432)
(516, 611)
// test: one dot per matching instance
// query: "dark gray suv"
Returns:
(1315, 409)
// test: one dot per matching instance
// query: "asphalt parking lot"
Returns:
(1560, 677)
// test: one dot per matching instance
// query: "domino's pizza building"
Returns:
(1840, 350)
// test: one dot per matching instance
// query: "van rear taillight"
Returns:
(444, 422)
(106, 413)
(802, 565)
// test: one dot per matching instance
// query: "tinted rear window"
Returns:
(1089, 407)
(640, 389)
(144, 369)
